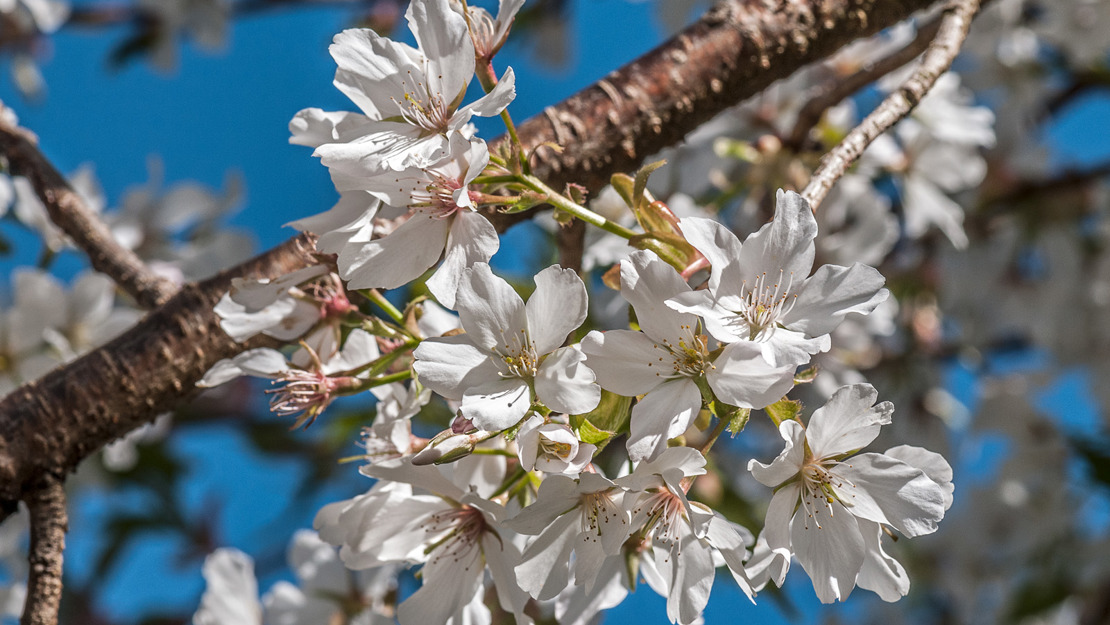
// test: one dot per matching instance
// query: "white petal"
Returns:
(890, 491)
(544, 569)
(830, 549)
(848, 421)
(451, 581)
(625, 362)
(662, 414)
(741, 377)
(472, 239)
(556, 308)
(785, 244)
(231, 597)
(495, 101)
(933, 464)
(565, 384)
(451, 365)
(490, 311)
(444, 40)
(880, 573)
(495, 406)
(396, 259)
(789, 461)
(722, 249)
(647, 283)
(786, 347)
(833, 292)
(372, 70)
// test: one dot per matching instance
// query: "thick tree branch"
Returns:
(51, 424)
(938, 58)
(839, 88)
(49, 523)
(737, 50)
(68, 211)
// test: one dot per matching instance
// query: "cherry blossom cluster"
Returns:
(528, 491)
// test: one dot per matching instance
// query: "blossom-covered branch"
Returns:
(49, 522)
(937, 59)
(50, 425)
(69, 212)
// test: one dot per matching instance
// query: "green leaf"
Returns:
(611, 414)
(639, 187)
(783, 410)
(587, 433)
(739, 420)
(806, 376)
(608, 420)
(624, 186)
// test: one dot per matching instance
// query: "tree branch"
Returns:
(734, 52)
(68, 211)
(938, 58)
(49, 522)
(834, 91)
(51, 424)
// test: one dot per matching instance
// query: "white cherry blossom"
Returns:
(665, 361)
(231, 595)
(453, 530)
(828, 509)
(443, 221)
(681, 540)
(551, 447)
(510, 354)
(410, 98)
(761, 291)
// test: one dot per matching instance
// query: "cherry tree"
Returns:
(792, 223)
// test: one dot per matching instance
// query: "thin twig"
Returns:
(955, 22)
(70, 213)
(834, 91)
(49, 522)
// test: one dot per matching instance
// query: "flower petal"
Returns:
(785, 244)
(626, 362)
(565, 384)
(830, 549)
(495, 406)
(450, 365)
(661, 415)
(833, 292)
(789, 461)
(848, 421)
(396, 259)
(556, 308)
(472, 239)
(490, 311)
(741, 377)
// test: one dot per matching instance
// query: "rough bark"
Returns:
(737, 50)
(51, 424)
(68, 211)
(49, 523)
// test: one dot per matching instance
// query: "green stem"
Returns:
(380, 301)
(507, 484)
(722, 423)
(581, 212)
(378, 365)
(400, 376)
